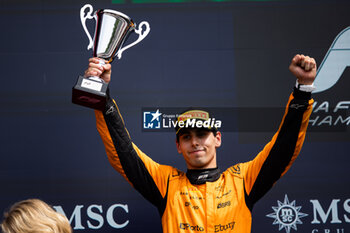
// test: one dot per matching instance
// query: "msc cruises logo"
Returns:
(287, 215)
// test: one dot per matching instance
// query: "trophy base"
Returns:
(90, 93)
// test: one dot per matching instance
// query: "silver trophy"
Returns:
(111, 31)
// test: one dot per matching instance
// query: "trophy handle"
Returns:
(83, 22)
(142, 35)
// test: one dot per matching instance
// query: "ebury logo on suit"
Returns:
(332, 105)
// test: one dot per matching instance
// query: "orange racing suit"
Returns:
(223, 205)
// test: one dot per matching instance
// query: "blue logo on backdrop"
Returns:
(151, 120)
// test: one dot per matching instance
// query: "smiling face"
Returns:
(198, 146)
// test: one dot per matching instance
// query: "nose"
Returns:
(194, 141)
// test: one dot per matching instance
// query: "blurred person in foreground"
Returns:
(34, 216)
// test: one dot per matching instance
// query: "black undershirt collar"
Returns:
(200, 176)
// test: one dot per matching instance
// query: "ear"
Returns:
(218, 139)
(178, 147)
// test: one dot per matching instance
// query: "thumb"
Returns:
(107, 67)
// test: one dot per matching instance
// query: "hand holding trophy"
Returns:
(111, 31)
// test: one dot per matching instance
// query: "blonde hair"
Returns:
(34, 216)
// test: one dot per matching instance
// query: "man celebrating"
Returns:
(204, 199)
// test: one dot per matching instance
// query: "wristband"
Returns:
(306, 88)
